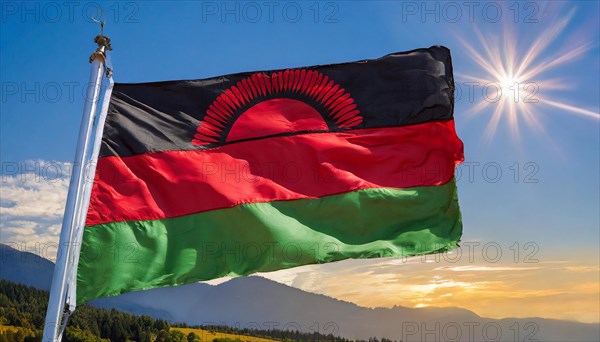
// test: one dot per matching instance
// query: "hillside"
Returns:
(25, 268)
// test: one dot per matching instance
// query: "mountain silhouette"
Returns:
(25, 268)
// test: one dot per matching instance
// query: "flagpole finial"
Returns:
(103, 43)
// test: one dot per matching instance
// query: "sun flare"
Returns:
(514, 85)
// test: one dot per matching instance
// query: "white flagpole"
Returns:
(87, 189)
(56, 315)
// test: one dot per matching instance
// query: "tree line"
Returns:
(25, 307)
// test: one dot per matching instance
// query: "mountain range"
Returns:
(261, 303)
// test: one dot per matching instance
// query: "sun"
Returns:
(513, 81)
(508, 84)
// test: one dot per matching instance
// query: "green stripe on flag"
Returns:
(120, 257)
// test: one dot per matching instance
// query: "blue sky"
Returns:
(552, 201)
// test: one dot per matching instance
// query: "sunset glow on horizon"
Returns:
(555, 288)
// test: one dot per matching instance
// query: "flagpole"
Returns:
(56, 315)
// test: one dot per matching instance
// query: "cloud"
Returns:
(32, 201)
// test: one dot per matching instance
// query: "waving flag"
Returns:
(262, 171)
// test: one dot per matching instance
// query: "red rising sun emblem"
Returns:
(286, 102)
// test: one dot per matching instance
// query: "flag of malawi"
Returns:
(261, 171)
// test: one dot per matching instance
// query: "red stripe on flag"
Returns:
(175, 183)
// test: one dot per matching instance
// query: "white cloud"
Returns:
(32, 200)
